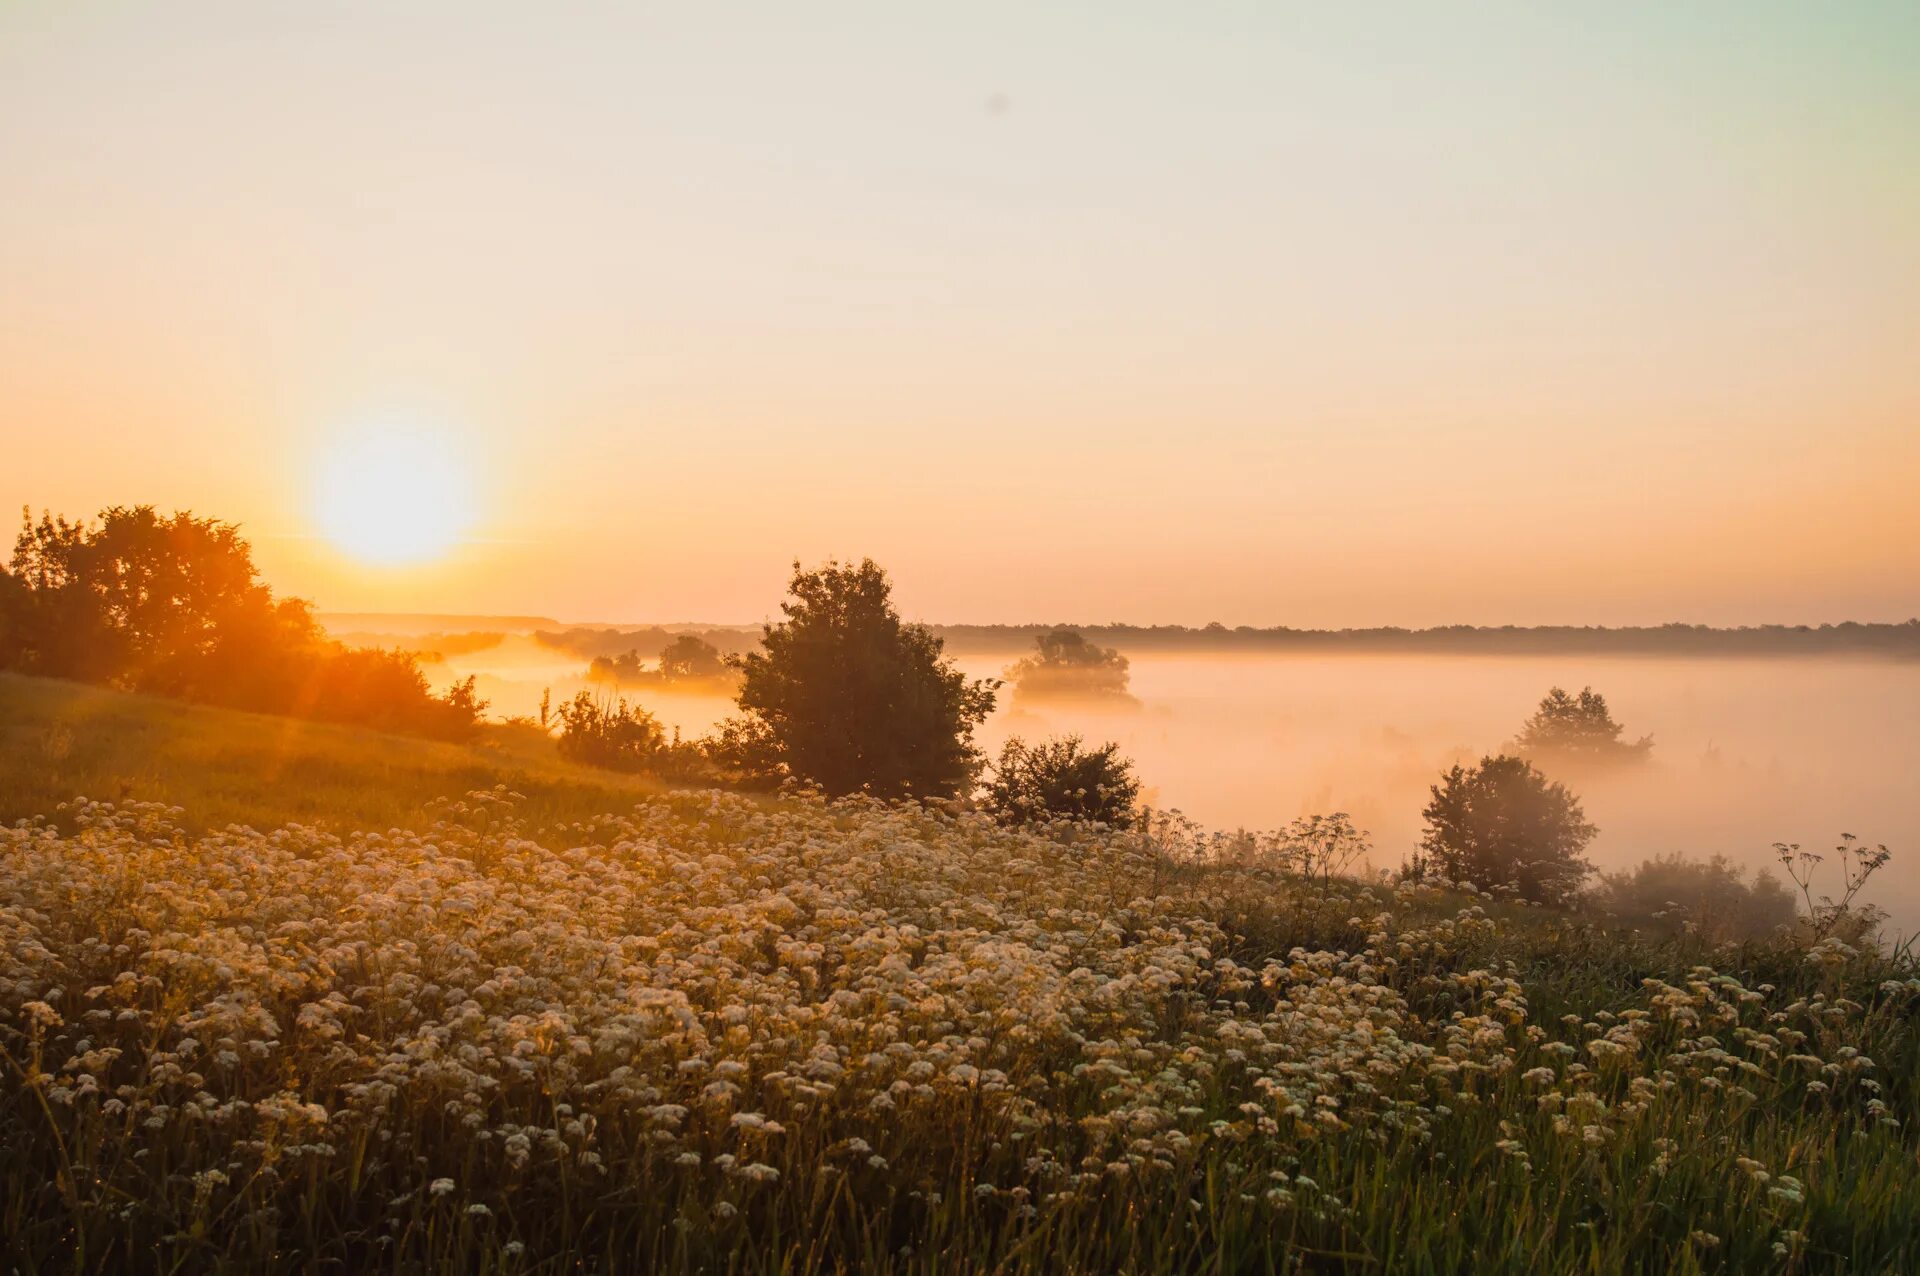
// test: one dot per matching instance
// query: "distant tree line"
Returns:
(174, 607)
(687, 664)
(1900, 641)
(431, 648)
(614, 642)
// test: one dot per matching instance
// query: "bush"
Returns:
(607, 732)
(847, 697)
(1061, 780)
(1577, 729)
(1065, 665)
(1503, 826)
(1711, 898)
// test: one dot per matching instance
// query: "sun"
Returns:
(393, 497)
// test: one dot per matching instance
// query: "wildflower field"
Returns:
(720, 1033)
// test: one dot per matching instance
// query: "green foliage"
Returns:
(1065, 665)
(607, 732)
(711, 1034)
(1061, 779)
(1503, 826)
(1710, 898)
(173, 606)
(848, 697)
(1577, 730)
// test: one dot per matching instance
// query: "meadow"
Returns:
(59, 740)
(624, 1028)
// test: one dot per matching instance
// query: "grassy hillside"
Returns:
(720, 1033)
(60, 740)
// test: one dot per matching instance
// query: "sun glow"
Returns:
(393, 497)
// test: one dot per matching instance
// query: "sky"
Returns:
(1259, 313)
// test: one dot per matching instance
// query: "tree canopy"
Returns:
(1502, 825)
(1065, 665)
(174, 606)
(847, 696)
(1577, 729)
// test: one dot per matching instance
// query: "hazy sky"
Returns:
(1329, 314)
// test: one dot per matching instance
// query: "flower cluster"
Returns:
(720, 1018)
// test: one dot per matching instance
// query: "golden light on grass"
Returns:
(393, 496)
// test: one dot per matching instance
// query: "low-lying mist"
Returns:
(1746, 752)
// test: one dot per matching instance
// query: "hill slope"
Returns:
(59, 740)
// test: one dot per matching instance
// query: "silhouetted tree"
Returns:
(1577, 729)
(1502, 825)
(846, 696)
(1061, 779)
(174, 606)
(1064, 665)
(688, 657)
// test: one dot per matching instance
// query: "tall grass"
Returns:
(719, 1034)
(223, 766)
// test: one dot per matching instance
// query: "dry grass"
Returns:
(60, 740)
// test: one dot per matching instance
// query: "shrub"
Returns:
(1061, 779)
(1064, 665)
(848, 697)
(1711, 898)
(1503, 826)
(1577, 729)
(607, 732)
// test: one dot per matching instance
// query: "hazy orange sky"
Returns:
(1314, 315)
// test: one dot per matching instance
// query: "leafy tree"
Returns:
(847, 696)
(174, 606)
(1061, 779)
(1502, 825)
(1065, 665)
(1711, 898)
(1577, 729)
(689, 658)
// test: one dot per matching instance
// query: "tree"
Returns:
(847, 696)
(1061, 779)
(1065, 665)
(174, 606)
(688, 658)
(1577, 729)
(1502, 825)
